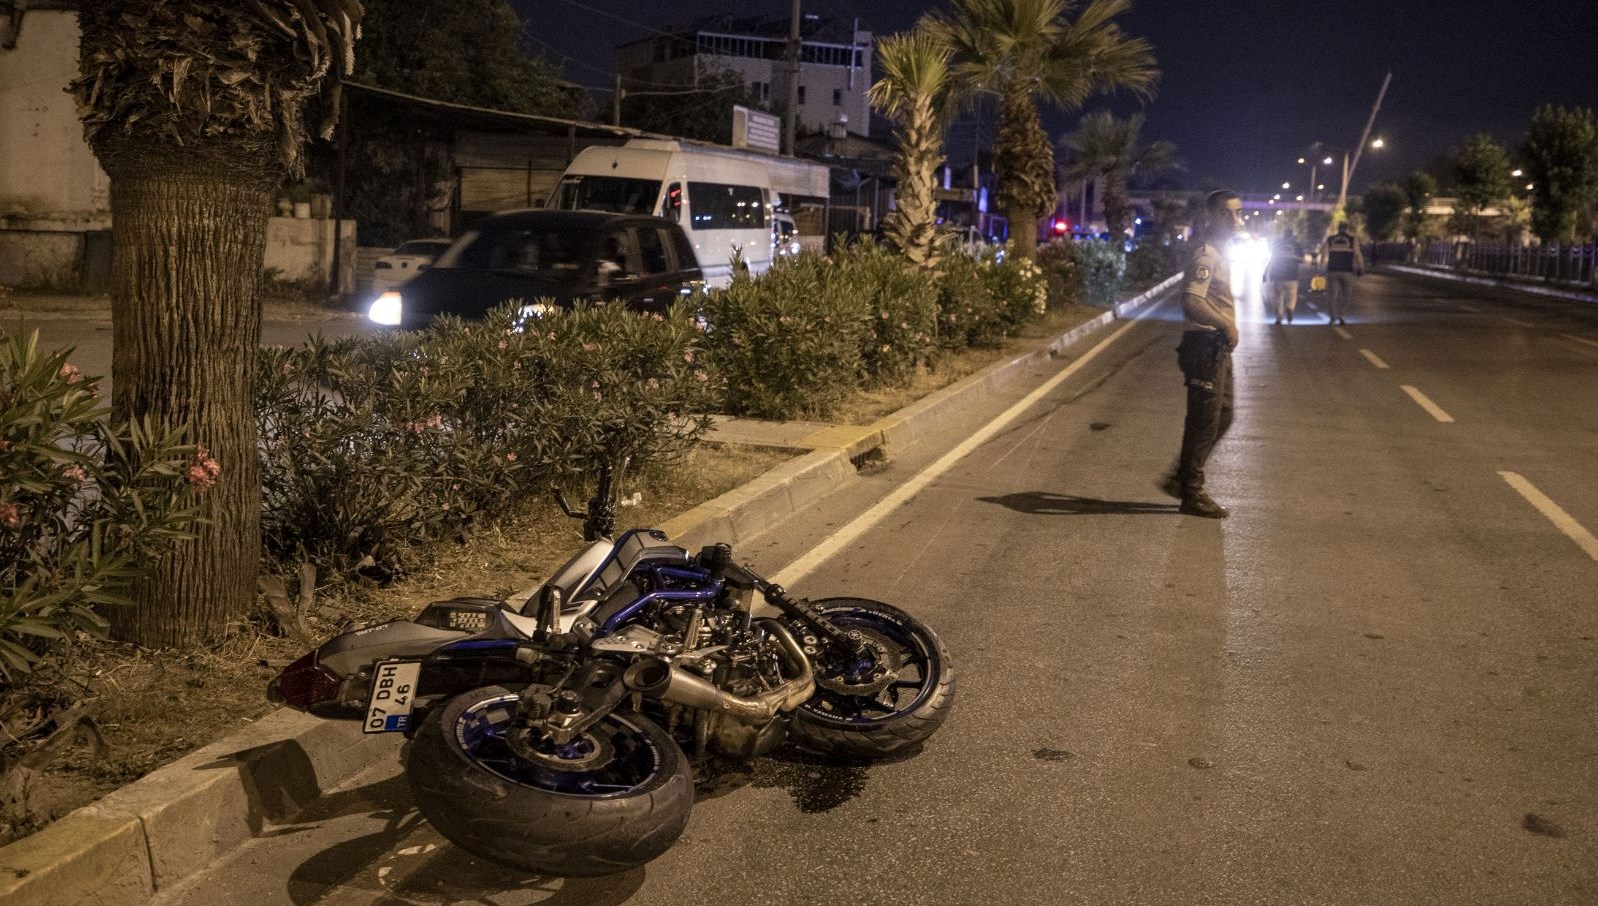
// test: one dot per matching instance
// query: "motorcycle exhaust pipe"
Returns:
(658, 679)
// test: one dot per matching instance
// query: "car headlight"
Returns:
(537, 310)
(388, 310)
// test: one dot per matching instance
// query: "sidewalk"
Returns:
(1556, 292)
(153, 833)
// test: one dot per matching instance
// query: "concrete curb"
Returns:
(172, 823)
(1552, 292)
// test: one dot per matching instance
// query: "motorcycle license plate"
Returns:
(393, 696)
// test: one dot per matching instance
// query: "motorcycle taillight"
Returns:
(304, 685)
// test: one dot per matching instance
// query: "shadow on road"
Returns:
(1047, 503)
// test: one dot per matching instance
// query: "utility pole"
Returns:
(615, 103)
(1349, 168)
(791, 127)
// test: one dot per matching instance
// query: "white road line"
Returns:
(1343, 333)
(1373, 358)
(817, 555)
(1571, 336)
(1555, 513)
(1426, 403)
(1515, 321)
(1471, 308)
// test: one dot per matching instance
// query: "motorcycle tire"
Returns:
(625, 809)
(889, 715)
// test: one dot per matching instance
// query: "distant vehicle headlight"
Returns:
(538, 310)
(388, 310)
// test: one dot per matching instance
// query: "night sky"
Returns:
(1247, 85)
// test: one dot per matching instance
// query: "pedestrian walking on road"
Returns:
(1282, 273)
(1343, 263)
(1205, 353)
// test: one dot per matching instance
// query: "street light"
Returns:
(1516, 173)
(1378, 144)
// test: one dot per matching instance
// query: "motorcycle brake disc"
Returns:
(585, 753)
(885, 667)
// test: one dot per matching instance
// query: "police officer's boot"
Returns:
(1198, 503)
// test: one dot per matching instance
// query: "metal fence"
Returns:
(1574, 265)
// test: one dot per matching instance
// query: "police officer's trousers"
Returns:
(1341, 285)
(1206, 362)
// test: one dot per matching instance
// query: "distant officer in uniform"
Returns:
(1205, 353)
(1343, 263)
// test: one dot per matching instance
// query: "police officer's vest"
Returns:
(1340, 253)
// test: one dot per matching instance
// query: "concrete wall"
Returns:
(302, 250)
(47, 171)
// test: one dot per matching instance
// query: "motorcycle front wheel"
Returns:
(611, 800)
(882, 702)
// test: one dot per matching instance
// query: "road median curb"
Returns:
(151, 834)
(1555, 292)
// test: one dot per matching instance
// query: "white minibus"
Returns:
(722, 198)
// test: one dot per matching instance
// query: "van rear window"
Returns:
(615, 194)
(720, 206)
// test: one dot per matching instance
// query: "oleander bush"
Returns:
(902, 302)
(788, 344)
(1150, 262)
(1090, 272)
(88, 505)
(373, 446)
(986, 297)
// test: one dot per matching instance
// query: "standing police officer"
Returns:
(1343, 263)
(1205, 353)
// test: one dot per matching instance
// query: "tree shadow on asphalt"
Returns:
(1048, 503)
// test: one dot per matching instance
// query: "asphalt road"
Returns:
(1374, 684)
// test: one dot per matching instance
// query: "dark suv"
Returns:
(551, 257)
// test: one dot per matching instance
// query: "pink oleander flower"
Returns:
(70, 373)
(9, 516)
(652, 384)
(75, 472)
(590, 347)
(688, 356)
(503, 344)
(202, 470)
(510, 457)
(701, 376)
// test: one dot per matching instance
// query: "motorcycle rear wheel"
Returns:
(885, 706)
(612, 800)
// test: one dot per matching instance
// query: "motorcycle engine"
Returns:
(740, 659)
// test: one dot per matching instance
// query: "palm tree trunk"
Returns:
(913, 227)
(1116, 208)
(189, 235)
(1026, 177)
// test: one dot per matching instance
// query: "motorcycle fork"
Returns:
(566, 711)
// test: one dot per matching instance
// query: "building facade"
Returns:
(834, 67)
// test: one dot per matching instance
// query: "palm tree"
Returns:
(196, 110)
(1104, 146)
(914, 92)
(1024, 51)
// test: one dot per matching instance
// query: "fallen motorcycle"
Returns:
(549, 735)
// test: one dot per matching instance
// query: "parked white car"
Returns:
(405, 262)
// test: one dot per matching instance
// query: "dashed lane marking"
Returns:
(1425, 402)
(1555, 513)
(1343, 333)
(1571, 336)
(1515, 321)
(1470, 308)
(1373, 358)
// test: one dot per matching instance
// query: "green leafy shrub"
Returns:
(373, 446)
(1103, 272)
(87, 505)
(788, 343)
(1149, 263)
(1062, 275)
(902, 305)
(986, 297)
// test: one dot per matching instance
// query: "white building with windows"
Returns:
(834, 68)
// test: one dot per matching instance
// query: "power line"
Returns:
(622, 19)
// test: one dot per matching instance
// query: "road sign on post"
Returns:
(754, 129)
